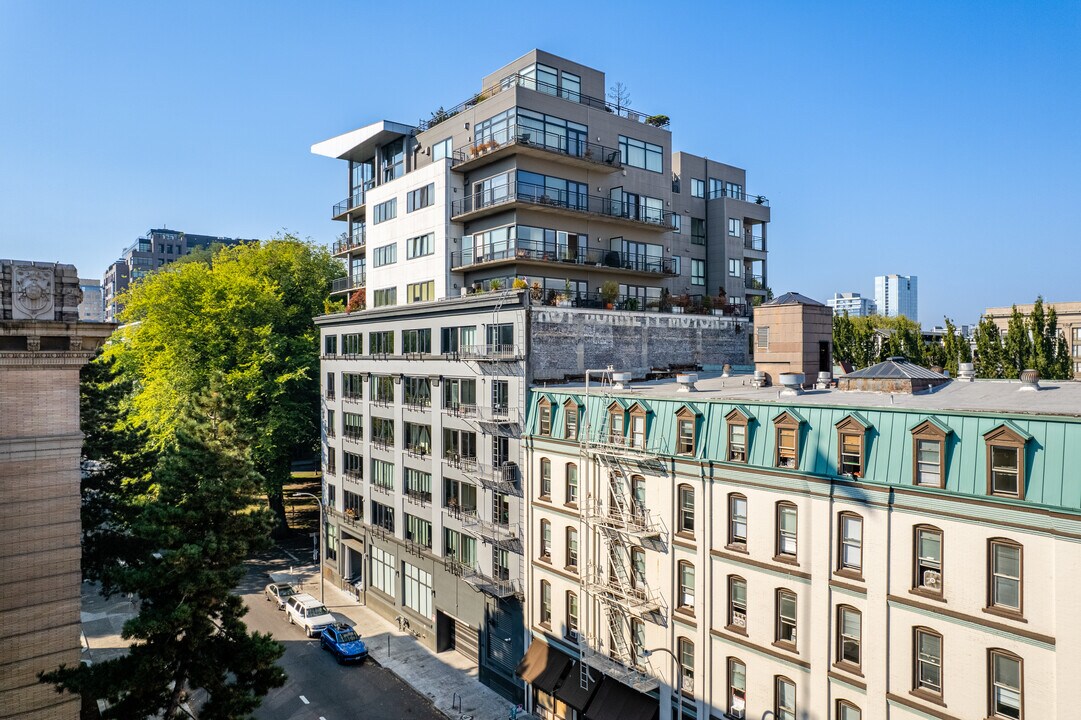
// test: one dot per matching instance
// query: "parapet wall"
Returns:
(564, 342)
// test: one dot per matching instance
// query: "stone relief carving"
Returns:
(75, 342)
(32, 293)
(33, 343)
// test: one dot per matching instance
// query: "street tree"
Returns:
(180, 550)
(239, 321)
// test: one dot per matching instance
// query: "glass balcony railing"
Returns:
(564, 199)
(347, 283)
(346, 243)
(739, 195)
(528, 250)
(356, 200)
(531, 83)
(531, 137)
(754, 242)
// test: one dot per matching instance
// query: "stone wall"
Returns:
(564, 342)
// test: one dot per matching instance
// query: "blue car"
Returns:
(344, 643)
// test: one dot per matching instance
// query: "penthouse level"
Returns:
(831, 554)
(534, 177)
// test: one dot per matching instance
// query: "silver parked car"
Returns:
(279, 593)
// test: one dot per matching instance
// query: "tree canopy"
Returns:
(172, 527)
(240, 322)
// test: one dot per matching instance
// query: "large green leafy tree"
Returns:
(177, 538)
(988, 359)
(239, 321)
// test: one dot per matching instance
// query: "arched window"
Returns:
(737, 687)
(546, 478)
(572, 615)
(685, 523)
(786, 618)
(572, 484)
(737, 522)
(927, 661)
(849, 636)
(737, 604)
(546, 540)
(786, 531)
(572, 548)
(686, 659)
(544, 417)
(784, 698)
(1005, 685)
(1004, 581)
(545, 603)
(685, 597)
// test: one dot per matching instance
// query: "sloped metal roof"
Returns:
(896, 368)
(792, 298)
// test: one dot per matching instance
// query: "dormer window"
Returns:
(686, 435)
(544, 419)
(787, 426)
(929, 453)
(570, 420)
(1006, 461)
(851, 433)
(737, 422)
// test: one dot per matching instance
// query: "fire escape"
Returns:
(619, 527)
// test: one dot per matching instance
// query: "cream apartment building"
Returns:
(856, 554)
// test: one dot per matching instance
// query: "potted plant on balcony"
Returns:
(665, 303)
(495, 285)
(536, 292)
(519, 284)
(609, 293)
(356, 301)
(631, 304)
(658, 120)
(707, 304)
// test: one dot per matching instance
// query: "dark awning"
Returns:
(616, 701)
(543, 666)
(571, 691)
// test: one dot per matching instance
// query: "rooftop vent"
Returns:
(620, 380)
(966, 372)
(792, 383)
(686, 381)
(825, 379)
(1030, 380)
(759, 379)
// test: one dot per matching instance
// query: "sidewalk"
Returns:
(448, 679)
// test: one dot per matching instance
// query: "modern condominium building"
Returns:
(518, 238)
(902, 546)
(157, 248)
(897, 295)
(852, 303)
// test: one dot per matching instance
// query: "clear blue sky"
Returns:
(928, 138)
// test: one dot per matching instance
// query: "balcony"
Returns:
(498, 478)
(523, 140)
(490, 353)
(503, 535)
(343, 208)
(460, 410)
(494, 586)
(347, 283)
(740, 195)
(631, 522)
(635, 600)
(347, 243)
(562, 202)
(754, 282)
(531, 83)
(754, 242)
(639, 677)
(499, 420)
(532, 252)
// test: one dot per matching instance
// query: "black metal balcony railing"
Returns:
(739, 195)
(356, 200)
(347, 283)
(754, 282)
(518, 80)
(579, 202)
(536, 251)
(754, 242)
(346, 243)
(559, 144)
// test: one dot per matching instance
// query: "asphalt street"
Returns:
(318, 688)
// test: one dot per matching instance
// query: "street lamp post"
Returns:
(679, 675)
(319, 502)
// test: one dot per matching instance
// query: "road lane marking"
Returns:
(304, 700)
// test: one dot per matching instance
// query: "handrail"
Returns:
(513, 191)
(740, 195)
(347, 242)
(546, 252)
(561, 144)
(531, 83)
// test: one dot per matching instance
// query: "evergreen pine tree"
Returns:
(182, 541)
(1016, 347)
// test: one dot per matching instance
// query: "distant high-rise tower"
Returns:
(896, 295)
(852, 303)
